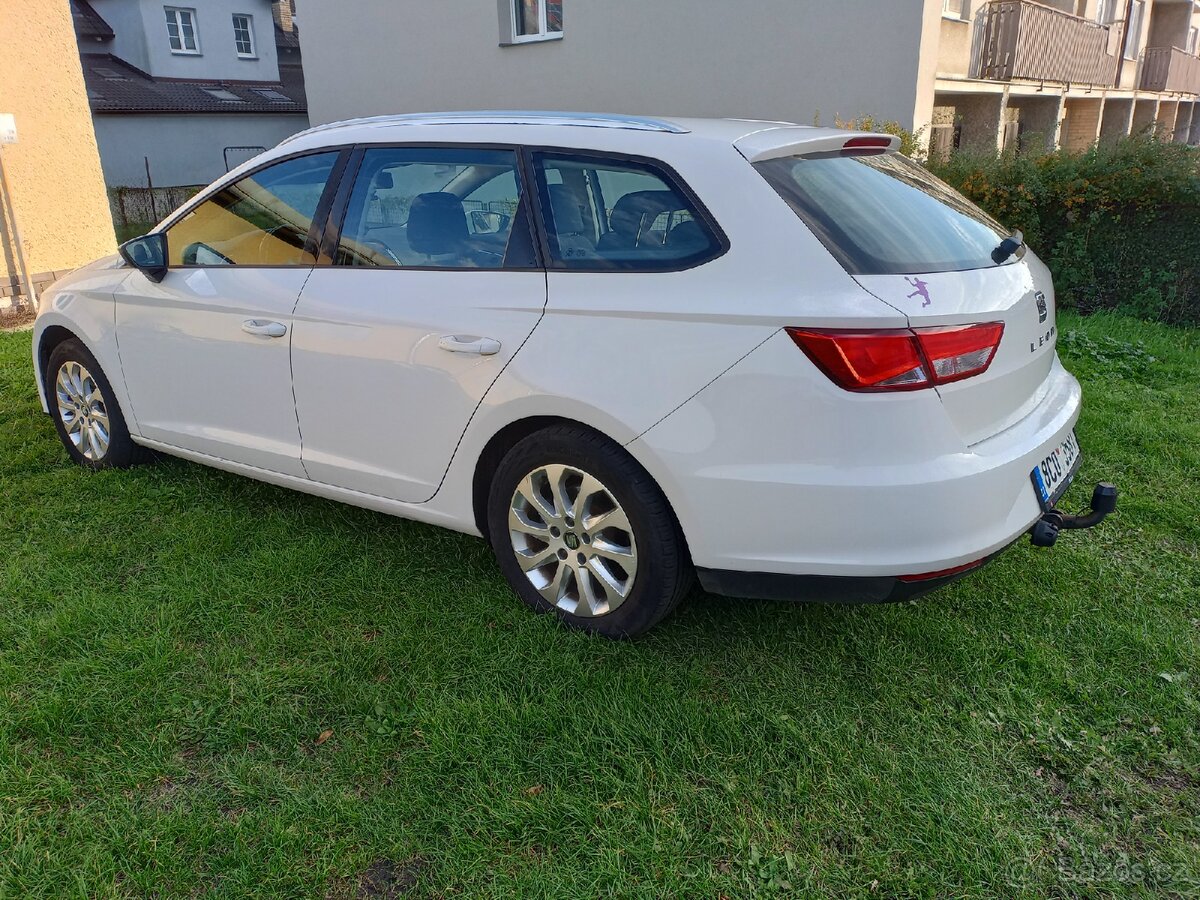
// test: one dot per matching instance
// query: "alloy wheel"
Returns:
(573, 540)
(82, 410)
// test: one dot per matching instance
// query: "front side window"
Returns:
(243, 36)
(537, 20)
(885, 215)
(181, 30)
(261, 220)
(608, 214)
(443, 208)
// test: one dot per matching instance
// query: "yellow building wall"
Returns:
(53, 170)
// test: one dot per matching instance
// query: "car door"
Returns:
(206, 352)
(433, 286)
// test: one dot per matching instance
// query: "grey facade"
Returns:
(181, 147)
(782, 59)
(174, 109)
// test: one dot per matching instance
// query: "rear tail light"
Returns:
(905, 359)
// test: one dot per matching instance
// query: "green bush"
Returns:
(1119, 225)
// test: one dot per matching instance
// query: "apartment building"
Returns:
(1065, 72)
(970, 72)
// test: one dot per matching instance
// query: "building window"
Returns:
(1133, 35)
(181, 30)
(243, 35)
(1106, 12)
(219, 93)
(534, 20)
(955, 9)
(1193, 43)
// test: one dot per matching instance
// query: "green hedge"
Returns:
(1119, 225)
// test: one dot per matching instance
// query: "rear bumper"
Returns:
(768, 481)
(840, 589)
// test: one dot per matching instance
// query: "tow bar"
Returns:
(1045, 532)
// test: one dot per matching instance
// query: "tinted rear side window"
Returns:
(606, 213)
(885, 215)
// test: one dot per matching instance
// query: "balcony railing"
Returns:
(1023, 39)
(1170, 69)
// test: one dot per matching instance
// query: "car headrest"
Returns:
(630, 211)
(687, 234)
(564, 204)
(437, 223)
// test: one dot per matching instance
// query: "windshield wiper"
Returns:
(1008, 247)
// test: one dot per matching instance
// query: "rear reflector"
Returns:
(902, 359)
(942, 573)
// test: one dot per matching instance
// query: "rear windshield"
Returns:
(885, 215)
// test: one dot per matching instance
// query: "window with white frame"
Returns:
(181, 30)
(536, 20)
(243, 35)
(1106, 12)
(1193, 42)
(955, 9)
(1133, 34)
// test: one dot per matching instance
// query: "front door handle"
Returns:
(481, 346)
(263, 328)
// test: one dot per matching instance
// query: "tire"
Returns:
(633, 533)
(83, 381)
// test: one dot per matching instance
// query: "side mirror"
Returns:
(148, 254)
(484, 222)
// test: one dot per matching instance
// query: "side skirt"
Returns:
(416, 511)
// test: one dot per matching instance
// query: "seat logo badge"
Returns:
(922, 290)
(571, 541)
(1043, 311)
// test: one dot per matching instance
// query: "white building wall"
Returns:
(125, 18)
(183, 149)
(783, 59)
(218, 59)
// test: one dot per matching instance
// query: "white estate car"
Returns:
(622, 349)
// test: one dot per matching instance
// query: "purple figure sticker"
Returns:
(922, 290)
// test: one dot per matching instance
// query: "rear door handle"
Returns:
(481, 346)
(264, 328)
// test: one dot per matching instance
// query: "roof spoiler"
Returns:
(777, 143)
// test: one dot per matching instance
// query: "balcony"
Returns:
(1170, 69)
(1026, 40)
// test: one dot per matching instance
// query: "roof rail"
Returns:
(503, 117)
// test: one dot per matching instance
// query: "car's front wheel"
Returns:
(579, 528)
(86, 414)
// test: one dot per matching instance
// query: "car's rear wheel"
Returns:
(85, 411)
(580, 529)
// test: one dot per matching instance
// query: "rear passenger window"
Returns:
(445, 208)
(614, 214)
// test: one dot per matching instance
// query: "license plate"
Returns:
(1054, 474)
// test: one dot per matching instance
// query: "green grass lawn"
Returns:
(209, 685)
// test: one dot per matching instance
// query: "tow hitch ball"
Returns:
(1045, 532)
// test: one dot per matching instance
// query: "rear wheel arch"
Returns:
(515, 432)
(494, 451)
